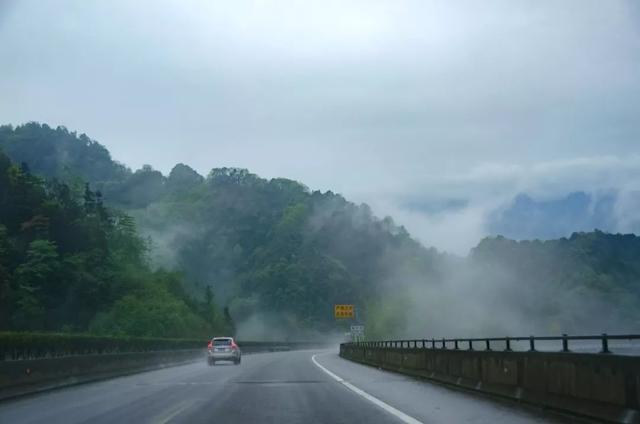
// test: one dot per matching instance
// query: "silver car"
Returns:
(223, 349)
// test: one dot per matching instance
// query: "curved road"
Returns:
(284, 387)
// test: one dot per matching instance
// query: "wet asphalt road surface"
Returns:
(279, 387)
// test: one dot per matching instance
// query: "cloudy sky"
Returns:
(452, 106)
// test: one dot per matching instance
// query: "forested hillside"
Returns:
(585, 282)
(70, 263)
(278, 255)
(270, 249)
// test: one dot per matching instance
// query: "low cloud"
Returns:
(452, 212)
(384, 102)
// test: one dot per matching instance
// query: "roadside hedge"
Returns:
(14, 346)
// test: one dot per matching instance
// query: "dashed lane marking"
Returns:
(173, 412)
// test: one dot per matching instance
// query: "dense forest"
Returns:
(70, 263)
(100, 247)
(584, 282)
(266, 248)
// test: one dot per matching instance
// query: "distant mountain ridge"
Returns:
(268, 247)
(281, 255)
(527, 219)
(62, 153)
(58, 152)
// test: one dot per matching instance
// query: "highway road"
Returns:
(281, 387)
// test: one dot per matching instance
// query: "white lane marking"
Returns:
(390, 409)
(172, 413)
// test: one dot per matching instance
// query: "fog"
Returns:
(436, 113)
(386, 102)
(472, 301)
(496, 292)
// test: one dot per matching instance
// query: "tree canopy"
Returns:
(70, 263)
(96, 246)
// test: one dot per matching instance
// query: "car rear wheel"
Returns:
(237, 361)
(211, 362)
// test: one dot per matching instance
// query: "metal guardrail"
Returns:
(252, 346)
(443, 343)
(20, 346)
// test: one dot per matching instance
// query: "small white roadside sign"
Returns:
(357, 330)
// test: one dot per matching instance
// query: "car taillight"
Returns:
(210, 345)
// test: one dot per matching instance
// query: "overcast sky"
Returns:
(386, 102)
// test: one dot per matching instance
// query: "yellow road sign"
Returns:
(343, 311)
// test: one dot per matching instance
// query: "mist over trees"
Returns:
(70, 263)
(589, 281)
(272, 251)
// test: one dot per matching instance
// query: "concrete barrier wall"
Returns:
(27, 376)
(604, 387)
(34, 375)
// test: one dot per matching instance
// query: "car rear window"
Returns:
(222, 342)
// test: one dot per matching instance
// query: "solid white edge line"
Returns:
(390, 409)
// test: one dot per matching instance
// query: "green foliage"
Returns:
(183, 177)
(20, 345)
(59, 153)
(5, 288)
(588, 280)
(139, 189)
(67, 262)
(152, 312)
(260, 245)
(386, 318)
(24, 345)
(34, 279)
(595, 260)
(270, 244)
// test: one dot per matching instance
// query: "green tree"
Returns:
(35, 282)
(5, 288)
